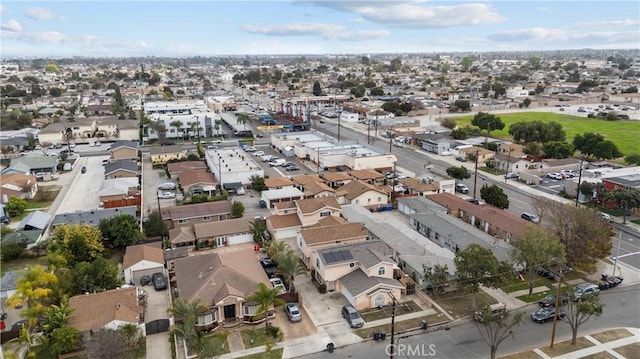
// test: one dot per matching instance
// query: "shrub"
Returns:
(11, 251)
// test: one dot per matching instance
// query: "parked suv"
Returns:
(462, 188)
(584, 291)
(159, 281)
(351, 315)
(530, 217)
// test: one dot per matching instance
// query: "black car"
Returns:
(268, 266)
(145, 279)
(292, 168)
(550, 300)
(546, 314)
(83, 169)
(159, 281)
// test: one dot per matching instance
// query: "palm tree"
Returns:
(288, 267)
(267, 297)
(258, 227)
(186, 315)
(195, 127)
(178, 126)
(243, 118)
(218, 126)
(278, 249)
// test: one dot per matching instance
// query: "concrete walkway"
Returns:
(598, 348)
(235, 341)
(510, 301)
(535, 290)
(399, 318)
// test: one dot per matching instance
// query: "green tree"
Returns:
(435, 277)
(537, 131)
(35, 290)
(376, 91)
(557, 149)
(266, 298)
(627, 199)
(243, 119)
(494, 196)
(496, 328)
(16, 206)
(154, 226)
(606, 150)
(533, 149)
(317, 90)
(586, 143)
(96, 276)
(458, 173)
(258, 227)
(449, 123)
(578, 312)
(178, 126)
(534, 61)
(526, 102)
(77, 243)
(278, 249)
(476, 265)
(288, 267)
(536, 248)
(121, 230)
(462, 105)
(257, 183)
(10, 250)
(185, 314)
(488, 122)
(64, 340)
(237, 209)
(466, 62)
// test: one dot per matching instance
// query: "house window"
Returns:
(206, 319)
(206, 218)
(317, 262)
(381, 270)
(250, 310)
(182, 221)
(325, 214)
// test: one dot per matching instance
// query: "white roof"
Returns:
(286, 192)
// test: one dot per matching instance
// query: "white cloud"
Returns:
(613, 23)
(292, 29)
(536, 33)
(1, 9)
(557, 36)
(357, 35)
(12, 26)
(544, 9)
(358, 20)
(38, 13)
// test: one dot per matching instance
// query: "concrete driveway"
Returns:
(83, 192)
(158, 302)
(323, 309)
(303, 328)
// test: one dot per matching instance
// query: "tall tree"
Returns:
(186, 315)
(96, 276)
(16, 206)
(288, 267)
(278, 249)
(266, 298)
(586, 143)
(237, 209)
(120, 230)
(458, 173)
(579, 312)
(626, 200)
(633, 159)
(494, 196)
(243, 119)
(35, 289)
(317, 90)
(476, 265)
(536, 248)
(487, 121)
(154, 226)
(496, 328)
(178, 126)
(436, 277)
(258, 226)
(77, 243)
(558, 150)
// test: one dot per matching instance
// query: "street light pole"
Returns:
(475, 177)
(615, 261)
(555, 311)
(579, 179)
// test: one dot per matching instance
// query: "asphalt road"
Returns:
(465, 341)
(626, 246)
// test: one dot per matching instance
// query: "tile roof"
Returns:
(357, 282)
(330, 221)
(182, 235)
(277, 182)
(336, 176)
(313, 205)
(140, 252)
(284, 221)
(223, 228)
(212, 277)
(197, 210)
(312, 189)
(94, 311)
(356, 188)
(304, 180)
(191, 177)
(341, 232)
(366, 175)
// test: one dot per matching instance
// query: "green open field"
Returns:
(625, 134)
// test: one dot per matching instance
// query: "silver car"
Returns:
(293, 312)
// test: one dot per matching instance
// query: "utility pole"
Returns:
(579, 179)
(393, 324)
(555, 311)
(508, 158)
(339, 115)
(390, 139)
(475, 177)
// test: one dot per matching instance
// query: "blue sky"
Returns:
(208, 28)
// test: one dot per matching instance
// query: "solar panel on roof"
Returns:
(337, 256)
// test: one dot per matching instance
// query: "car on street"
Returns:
(351, 315)
(159, 281)
(293, 312)
(546, 314)
(398, 144)
(268, 266)
(585, 291)
(83, 169)
(166, 195)
(555, 176)
(462, 188)
(258, 153)
(607, 217)
(461, 159)
(569, 173)
(267, 158)
(292, 168)
(498, 309)
(530, 217)
(250, 149)
(167, 186)
(550, 300)
(105, 162)
(511, 175)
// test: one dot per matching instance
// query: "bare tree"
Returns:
(495, 328)
(106, 344)
(541, 205)
(6, 150)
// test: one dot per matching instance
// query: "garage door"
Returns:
(348, 296)
(286, 233)
(149, 271)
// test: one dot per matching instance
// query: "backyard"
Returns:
(624, 134)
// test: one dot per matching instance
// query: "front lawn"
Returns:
(460, 304)
(401, 326)
(252, 338)
(273, 354)
(372, 314)
(624, 134)
(216, 344)
(566, 347)
(535, 297)
(517, 284)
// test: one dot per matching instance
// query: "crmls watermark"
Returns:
(411, 350)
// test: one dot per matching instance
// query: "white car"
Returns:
(277, 284)
(167, 186)
(167, 195)
(607, 217)
(555, 175)
(258, 153)
(250, 149)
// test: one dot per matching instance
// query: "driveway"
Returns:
(158, 345)
(323, 309)
(300, 329)
(83, 192)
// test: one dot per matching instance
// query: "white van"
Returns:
(277, 162)
(267, 158)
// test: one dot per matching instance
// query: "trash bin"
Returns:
(376, 336)
(330, 347)
(424, 325)
(604, 276)
(383, 335)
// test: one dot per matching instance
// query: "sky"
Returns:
(209, 28)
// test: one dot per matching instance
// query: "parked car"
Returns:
(159, 281)
(607, 217)
(278, 284)
(569, 173)
(351, 315)
(461, 159)
(511, 175)
(268, 266)
(584, 291)
(277, 162)
(555, 176)
(250, 149)
(258, 153)
(546, 314)
(530, 217)
(267, 158)
(493, 310)
(145, 280)
(292, 168)
(550, 300)
(167, 195)
(83, 169)
(462, 188)
(167, 186)
(293, 312)
(105, 162)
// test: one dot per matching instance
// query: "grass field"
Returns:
(624, 134)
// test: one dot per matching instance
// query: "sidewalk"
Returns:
(599, 349)
(379, 322)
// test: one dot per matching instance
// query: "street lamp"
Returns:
(555, 311)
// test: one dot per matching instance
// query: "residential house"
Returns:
(91, 217)
(24, 238)
(278, 182)
(281, 208)
(123, 150)
(33, 165)
(364, 194)
(160, 155)
(175, 169)
(417, 187)
(434, 143)
(187, 215)
(312, 210)
(336, 179)
(118, 188)
(482, 153)
(182, 237)
(140, 260)
(87, 130)
(301, 181)
(222, 282)
(120, 169)
(38, 220)
(106, 310)
(271, 197)
(283, 226)
(363, 272)
(197, 182)
(318, 190)
(316, 237)
(224, 233)
(17, 185)
(368, 176)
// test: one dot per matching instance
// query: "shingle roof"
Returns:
(284, 221)
(94, 311)
(418, 186)
(312, 189)
(277, 182)
(36, 219)
(212, 277)
(117, 186)
(336, 176)
(123, 143)
(158, 150)
(304, 180)
(356, 188)
(93, 216)
(367, 253)
(34, 161)
(140, 252)
(357, 282)
(341, 232)
(197, 210)
(126, 165)
(312, 205)
(223, 228)
(366, 174)
(192, 177)
(176, 168)
(182, 235)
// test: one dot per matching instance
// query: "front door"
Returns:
(230, 311)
